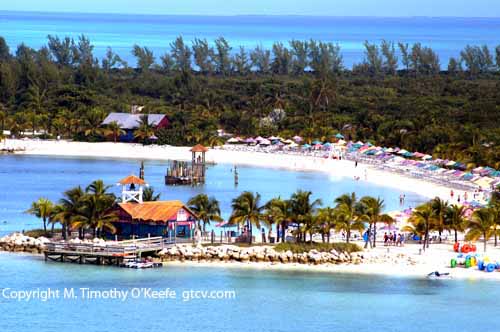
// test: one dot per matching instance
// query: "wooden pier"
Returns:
(109, 254)
(184, 173)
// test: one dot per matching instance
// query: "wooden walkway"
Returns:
(109, 254)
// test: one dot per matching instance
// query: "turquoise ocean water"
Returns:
(446, 35)
(27, 178)
(265, 301)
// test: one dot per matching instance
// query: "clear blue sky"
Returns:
(464, 8)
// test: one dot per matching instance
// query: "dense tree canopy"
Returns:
(399, 95)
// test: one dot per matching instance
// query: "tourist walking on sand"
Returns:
(366, 237)
(451, 194)
(355, 163)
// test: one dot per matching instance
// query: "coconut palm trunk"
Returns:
(250, 231)
(485, 240)
(283, 230)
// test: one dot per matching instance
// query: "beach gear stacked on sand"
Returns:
(483, 262)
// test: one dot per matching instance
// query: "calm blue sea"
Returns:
(24, 179)
(446, 35)
(265, 301)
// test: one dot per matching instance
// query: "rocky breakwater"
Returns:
(231, 253)
(18, 242)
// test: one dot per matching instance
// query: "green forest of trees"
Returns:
(398, 95)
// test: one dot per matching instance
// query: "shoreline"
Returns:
(333, 168)
(390, 261)
(388, 269)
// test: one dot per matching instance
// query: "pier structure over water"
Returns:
(115, 253)
(183, 173)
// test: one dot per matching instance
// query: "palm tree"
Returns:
(94, 210)
(303, 210)
(145, 130)
(439, 208)
(454, 219)
(104, 220)
(279, 212)
(372, 208)
(113, 129)
(247, 211)
(206, 209)
(349, 215)
(325, 221)
(59, 126)
(42, 208)
(216, 140)
(482, 223)
(92, 122)
(3, 117)
(422, 219)
(35, 100)
(495, 209)
(68, 208)
(149, 195)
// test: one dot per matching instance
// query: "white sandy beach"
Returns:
(383, 261)
(333, 168)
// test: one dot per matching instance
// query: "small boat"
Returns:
(140, 264)
(439, 275)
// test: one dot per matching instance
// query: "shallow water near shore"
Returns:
(26, 178)
(265, 300)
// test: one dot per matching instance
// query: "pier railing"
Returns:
(121, 248)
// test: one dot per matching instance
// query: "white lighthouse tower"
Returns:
(132, 189)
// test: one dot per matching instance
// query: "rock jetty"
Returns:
(17, 242)
(227, 253)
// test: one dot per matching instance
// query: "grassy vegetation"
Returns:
(241, 245)
(36, 233)
(321, 247)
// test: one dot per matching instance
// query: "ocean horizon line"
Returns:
(245, 15)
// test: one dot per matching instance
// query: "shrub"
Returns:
(36, 233)
(321, 247)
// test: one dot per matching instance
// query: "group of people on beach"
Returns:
(475, 195)
(394, 239)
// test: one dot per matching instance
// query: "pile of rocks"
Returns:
(18, 242)
(228, 253)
